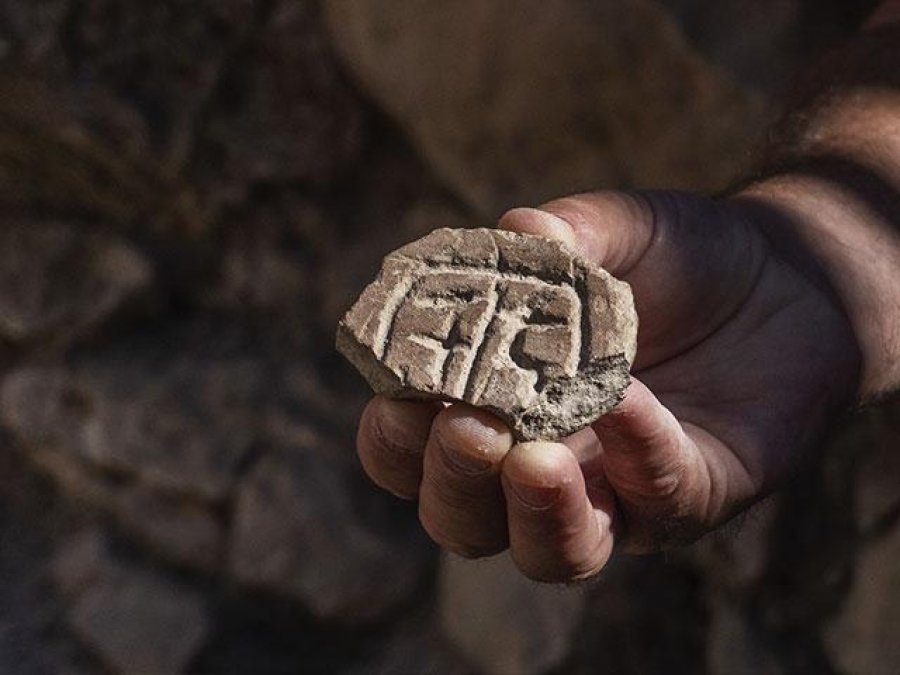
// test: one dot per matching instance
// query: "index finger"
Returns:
(391, 442)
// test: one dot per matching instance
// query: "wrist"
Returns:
(836, 222)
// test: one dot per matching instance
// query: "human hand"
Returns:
(742, 358)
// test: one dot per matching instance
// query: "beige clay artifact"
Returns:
(512, 323)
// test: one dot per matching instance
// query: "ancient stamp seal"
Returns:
(512, 323)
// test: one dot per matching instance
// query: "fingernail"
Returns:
(535, 496)
(403, 425)
(471, 441)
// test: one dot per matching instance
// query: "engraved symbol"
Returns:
(484, 337)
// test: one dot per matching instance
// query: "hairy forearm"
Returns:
(828, 190)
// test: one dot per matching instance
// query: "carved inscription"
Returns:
(512, 323)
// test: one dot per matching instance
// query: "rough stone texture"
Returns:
(57, 283)
(512, 103)
(503, 622)
(205, 449)
(185, 531)
(735, 646)
(737, 556)
(137, 622)
(862, 637)
(877, 502)
(294, 534)
(416, 646)
(80, 561)
(133, 619)
(508, 322)
(745, 40)
(103, 413)
(643, 615)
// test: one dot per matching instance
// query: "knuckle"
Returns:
(474, 551)
(458, 495)
(561, 571)
(586, 570)
(459, 457)
(465, 547)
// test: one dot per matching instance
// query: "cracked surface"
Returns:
(512, 323)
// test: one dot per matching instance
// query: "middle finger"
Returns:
(461, 503)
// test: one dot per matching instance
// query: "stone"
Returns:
(734, 643)
(290, 116)
(135, 621)
(80, 561)
(185, 531)
(872, 437)
(153, 411)
(862, 636)
(415, 645)
(644, 614)
(737, 556)
(512, 323)
(57, 282)
(514, 102)
(296, 533)
(180, 530)
(503, 622)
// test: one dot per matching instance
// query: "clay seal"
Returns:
(512, 323)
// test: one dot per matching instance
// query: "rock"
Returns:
(155, 411)
(513, 102)
(735, 646)
(512, 323)
(290, 115)
(79, 150)
(138, 622)
(179, 530)
(296, 533)
(862, 637)
(765, 48)
(872, 437)
(644, 614)
(80, 561)
(58, 282)
(737, 556)
(503, 622)
(416, 645)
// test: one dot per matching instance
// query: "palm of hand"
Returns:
(736, 344)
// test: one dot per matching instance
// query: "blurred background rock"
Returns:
(191, 193)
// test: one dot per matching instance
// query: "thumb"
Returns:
(614, 229)
(657, 471)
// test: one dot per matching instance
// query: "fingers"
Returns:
(555, 532)
(460, 501)
(659, 475)
(391, 442)
(613, 228)
(453, 458)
